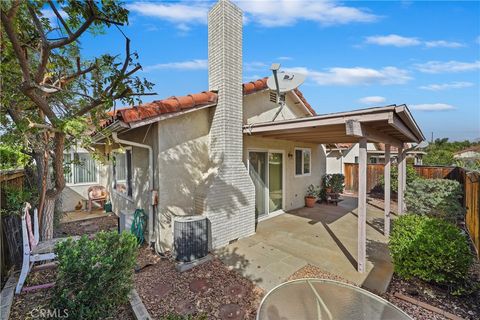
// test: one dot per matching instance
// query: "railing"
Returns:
(470, 181)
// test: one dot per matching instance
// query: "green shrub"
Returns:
(436, 198)
(94, 275)
(333, 181)
(412, 176)
(430, 249)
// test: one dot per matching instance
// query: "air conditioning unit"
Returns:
(190, 238)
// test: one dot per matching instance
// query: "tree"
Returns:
(50, 96)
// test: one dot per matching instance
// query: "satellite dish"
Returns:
(422, 145)
(286, 81)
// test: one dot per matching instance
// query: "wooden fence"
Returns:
(10, 225)
(470, 181)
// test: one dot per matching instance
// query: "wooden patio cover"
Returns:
(392, 125)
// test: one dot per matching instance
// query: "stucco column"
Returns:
(400, 181)
(362, 205)
(386, 192)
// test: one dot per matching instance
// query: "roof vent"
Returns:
(273, 97)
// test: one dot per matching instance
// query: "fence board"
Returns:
(470, 181)
(11, 250)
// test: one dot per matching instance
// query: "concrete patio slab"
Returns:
(324, 236)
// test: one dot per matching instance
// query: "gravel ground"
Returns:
(210, 289)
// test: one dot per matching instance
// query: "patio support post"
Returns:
(362, 204)
(400, 180)
(386, 174)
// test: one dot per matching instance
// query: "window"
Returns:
(122, 171)
(302, 161)
(80, 168)
(373, 160)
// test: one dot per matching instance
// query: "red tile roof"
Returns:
(176, 104)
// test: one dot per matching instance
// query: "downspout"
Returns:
(150, 178)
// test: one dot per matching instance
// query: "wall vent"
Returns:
(273, 96)
(190, 238)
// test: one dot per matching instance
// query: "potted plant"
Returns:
(311, 196)
(332, 186)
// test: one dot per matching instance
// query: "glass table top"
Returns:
(316, 299)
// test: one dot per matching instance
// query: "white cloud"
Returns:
(268, 13)
(196, 64)
(446, 86)
(256, 66)
(432, 107)
(181, 14)
(443, 44)
(50, 15)
(372, 100)
(287, 12)
(393, 40)
(355, 76)
(447, 66)
(401, 41)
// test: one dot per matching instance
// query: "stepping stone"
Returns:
(92, 228)
(185, 308)
(231, 311)
(159, 290)
(199, 285)
(235, 291)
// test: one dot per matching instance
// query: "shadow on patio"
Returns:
(324, 236)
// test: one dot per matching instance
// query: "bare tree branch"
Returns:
(59, 16)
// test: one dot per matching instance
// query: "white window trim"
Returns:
(118, 193)
(295, 162)
(73, 184)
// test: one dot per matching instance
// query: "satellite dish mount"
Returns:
(282, 82)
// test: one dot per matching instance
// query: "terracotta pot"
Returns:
(329, 190)
(310, 202)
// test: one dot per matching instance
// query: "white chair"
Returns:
(33, 249)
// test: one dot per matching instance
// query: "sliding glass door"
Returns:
(266, 171)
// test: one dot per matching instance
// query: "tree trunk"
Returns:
(47, 219)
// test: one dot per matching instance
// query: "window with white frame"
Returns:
(303, 163)
(122, 171)
(80, 168)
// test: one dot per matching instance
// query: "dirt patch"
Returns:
(90, 226)
(210, 289)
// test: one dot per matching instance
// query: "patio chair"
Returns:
(97, 194)
(33, 249)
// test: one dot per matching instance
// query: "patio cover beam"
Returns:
(357, 129)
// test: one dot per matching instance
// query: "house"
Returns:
(469, 154)
(340, 153)
(219, 154)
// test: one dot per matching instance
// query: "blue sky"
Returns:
(356, 54)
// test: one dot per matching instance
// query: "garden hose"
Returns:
(138, 224)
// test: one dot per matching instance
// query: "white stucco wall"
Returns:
(141, 195)
(182, 161)
(295, 187)
(334, 161)
(258, 108)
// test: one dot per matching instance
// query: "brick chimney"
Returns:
(228, 195)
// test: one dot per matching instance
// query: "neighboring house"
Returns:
(338, 154)
(472, 153)
(219, 154)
